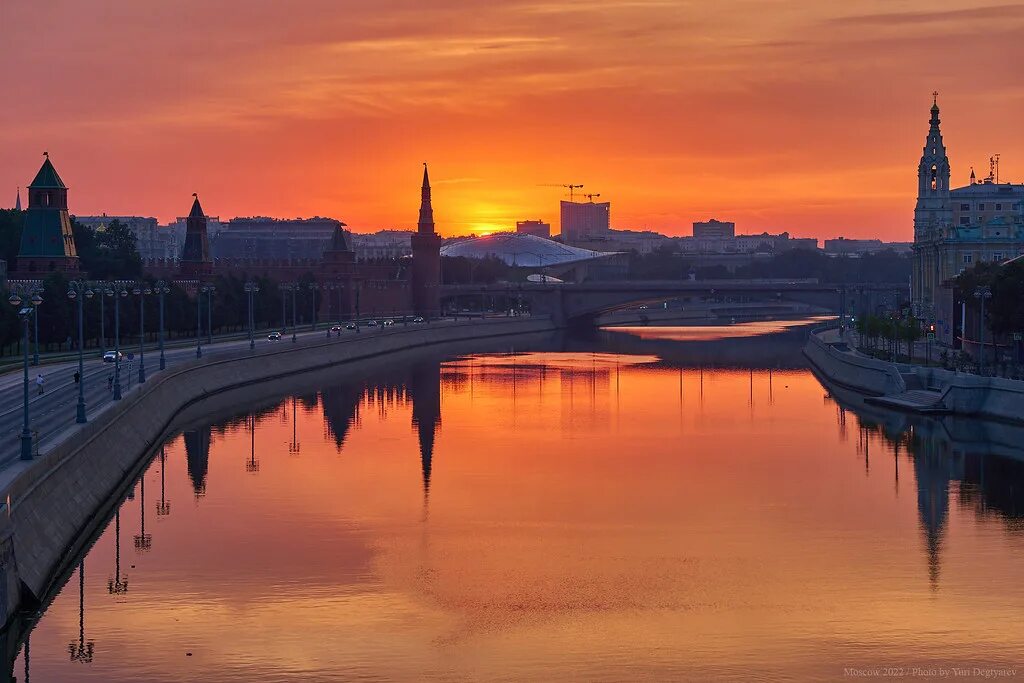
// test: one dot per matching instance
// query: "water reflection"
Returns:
(587, 508)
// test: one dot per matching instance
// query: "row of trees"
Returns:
(1004, 312)
(885, 335)
(667, 263)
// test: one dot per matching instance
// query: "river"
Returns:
(644, 504)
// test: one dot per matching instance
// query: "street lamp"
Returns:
(329, 288)
(140, 292)
(283, 288)
(295, 324)
(250, 289)
(163, 506)
(117, 585)
(209, 289)
(143, 541)
(982, 293)
(161, 288)
(313, 286)
(200, 290)
(117, 290)
(24, 313)
(79, 290)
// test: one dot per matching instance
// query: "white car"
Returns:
(112, 356)
(274, 336)
(389, 323)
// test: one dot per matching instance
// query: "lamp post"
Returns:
(357, 306)
(209, 289)
(143, 541)
(117, 585)
(329, 288)
(295, 324)
(982, 293)
(163, 506)
(141, 292)
(103, 321)
(284, 308)
(250, 289)
(24, 313)
(78, 291)
(199, 320)
(313, 286)
(160, 289)
(118, 290)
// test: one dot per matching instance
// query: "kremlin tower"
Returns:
(426, 258)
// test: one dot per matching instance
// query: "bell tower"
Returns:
(934, 211)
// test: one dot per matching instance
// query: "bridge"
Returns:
(580, 303)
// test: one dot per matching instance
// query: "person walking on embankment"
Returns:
(39, 383)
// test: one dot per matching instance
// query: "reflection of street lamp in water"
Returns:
(118, 585)
(163, 506)
(294, 446)
(143, 541)
(82, 650)
(252, 464)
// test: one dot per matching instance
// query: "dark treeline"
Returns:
(112, 255)
(1004, 312)
(667, 263)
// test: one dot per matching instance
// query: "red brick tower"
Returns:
(195, 255)
(426, 258)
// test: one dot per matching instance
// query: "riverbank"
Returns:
(914, 388)
(52, 499)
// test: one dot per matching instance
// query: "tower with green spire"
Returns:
(47, 242)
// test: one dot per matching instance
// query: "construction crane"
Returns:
(571, 187)
(590, 197)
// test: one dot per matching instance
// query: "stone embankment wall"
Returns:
(853, 371)
(53, 501)
(962, 393)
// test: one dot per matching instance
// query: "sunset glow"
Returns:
(799, 116)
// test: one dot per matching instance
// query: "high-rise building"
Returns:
(426, 258)
(47, 242)
(714, 229)
(581, 221)
(955, 228)
(536, 228)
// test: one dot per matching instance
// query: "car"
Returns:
(112, 356)
(336, 328)
(350, 326)
(388, 323)
(417, 320)
(274, 336)
(371, 323)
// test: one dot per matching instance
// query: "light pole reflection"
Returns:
(143, 541)
(163, 506)
(117, 585)
(252, 464)
(81, 651)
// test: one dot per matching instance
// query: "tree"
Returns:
(108, 254)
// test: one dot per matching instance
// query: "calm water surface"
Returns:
(604, 511)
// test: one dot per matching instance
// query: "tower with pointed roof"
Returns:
(47, 242)
(933, 208)
(17, 201)
(426, 258)
(195, 255)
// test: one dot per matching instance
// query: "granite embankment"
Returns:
(51, 501)
(914, 388)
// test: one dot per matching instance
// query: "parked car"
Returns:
(112, 356)
(274, 336)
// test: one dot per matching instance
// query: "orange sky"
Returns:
(791, 115)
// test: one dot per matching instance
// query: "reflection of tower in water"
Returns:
(933, 470)
(425, 393)
(197, 455)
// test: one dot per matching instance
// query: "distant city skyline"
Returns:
(803, 117)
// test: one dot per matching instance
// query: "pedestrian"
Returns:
(78, 377)
(110, 382)
(39, 383)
